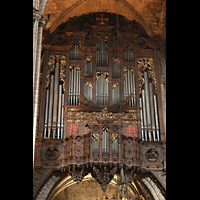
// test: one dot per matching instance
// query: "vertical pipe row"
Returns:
(54, 111)
(129, 87)
(149, 112)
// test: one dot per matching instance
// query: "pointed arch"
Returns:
(66, 14)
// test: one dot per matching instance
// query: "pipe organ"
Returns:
(102, 54)
(83, 90)
(54, 111)
(74, 86)
(129, 87)
(149, 112)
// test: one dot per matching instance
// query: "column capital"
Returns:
(36, 14)
(43, 21)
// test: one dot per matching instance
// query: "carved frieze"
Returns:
(146, 64)
(103, 175)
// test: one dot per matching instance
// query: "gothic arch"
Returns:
(145, 184)
(77, 9)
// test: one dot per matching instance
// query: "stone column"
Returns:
(37, 43)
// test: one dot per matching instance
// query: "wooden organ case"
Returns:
(83, 84)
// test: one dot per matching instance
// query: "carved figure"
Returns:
(152, 154)
(51, 153)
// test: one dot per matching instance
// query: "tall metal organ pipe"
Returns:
(50, 105)
(55, 100)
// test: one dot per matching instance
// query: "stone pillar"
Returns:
(37, 43)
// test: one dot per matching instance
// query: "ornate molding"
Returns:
(63, 70)
(130, 68)
(104, 74)
(115, 60)
(88, 59)
(102, 37)
(51, 68)
(103, 175)
(146, 64)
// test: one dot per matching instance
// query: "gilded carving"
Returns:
(51, 67)
(88, 59)
(115, 60)
(130, 68)
(78, 67)
(76, 43)
(89, 83)
(114, 136)
(104, 74)
(102, 37)
(96, 136)
(115, 85)
(63, 70)
(146, 64)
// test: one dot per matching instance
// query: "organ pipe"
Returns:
(134, 95)
(75, 53)
(102, 54)
(156, 113)
(59, 110)
(50, 105)
(152, 111)
(55, 107)
(46, 113)
(62, 116)
(142, 126)
(105, 142)
(144, 114)
(74, 87)
(147, 104)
